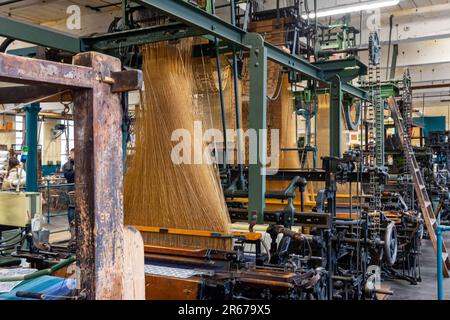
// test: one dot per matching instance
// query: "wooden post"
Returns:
(99, 181)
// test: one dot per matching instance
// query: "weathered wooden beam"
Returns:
(24, 94)
(99, 181)
(24, 70)
(128, 80)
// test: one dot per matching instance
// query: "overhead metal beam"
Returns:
(191, 15)
(123, 39)
(355, 91)
(210, 24)
(35, 34)
(204, 23)
(295, 63)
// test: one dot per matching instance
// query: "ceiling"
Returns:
(47, 11)
(404, 4)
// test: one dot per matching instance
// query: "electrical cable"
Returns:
(10, 238)
(277, 92)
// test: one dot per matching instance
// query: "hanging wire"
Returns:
(208, 98)
(278, 87)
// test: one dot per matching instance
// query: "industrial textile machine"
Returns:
(330, 230)
(334, 246)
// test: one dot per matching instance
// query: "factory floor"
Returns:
(427, 288)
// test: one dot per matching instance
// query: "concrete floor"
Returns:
(427, 288)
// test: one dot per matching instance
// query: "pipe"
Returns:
(440, 276)
(391, 24)
(43, 272)
(31, 112)
(236, 104)
(348, 222)
(222, 102)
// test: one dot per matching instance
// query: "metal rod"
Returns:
(48, 201)
(391, 23)
(222, 103)
(236, 102)
(440, 276)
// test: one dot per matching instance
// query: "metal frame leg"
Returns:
(258, 122)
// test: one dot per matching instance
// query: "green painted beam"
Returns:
(335, 116)
(295, 63)
(38, 35)
(203, 22)
(355, 91)
(257, 122)
(126, 38)
(213, 25)
(191, 15)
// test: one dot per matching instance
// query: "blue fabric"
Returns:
(46, 284)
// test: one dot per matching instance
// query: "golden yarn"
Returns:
(158, 192)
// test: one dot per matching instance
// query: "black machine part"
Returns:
(390, 244)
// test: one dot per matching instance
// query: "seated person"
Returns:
(15, 175)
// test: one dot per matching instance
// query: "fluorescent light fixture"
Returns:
(362, 6)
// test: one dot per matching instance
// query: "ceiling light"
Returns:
(368, 5)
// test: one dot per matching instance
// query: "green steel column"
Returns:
(335, 116)
(31, 113)
(258, 122)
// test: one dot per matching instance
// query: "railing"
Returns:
(440, 277)
(61, 208)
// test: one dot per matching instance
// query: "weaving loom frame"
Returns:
(100, 253)
(260, 53)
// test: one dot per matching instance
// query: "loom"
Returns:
(326, 244)
(296, 234)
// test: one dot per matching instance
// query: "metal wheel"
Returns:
(390, 244)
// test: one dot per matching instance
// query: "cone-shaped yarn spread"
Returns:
(159, 192)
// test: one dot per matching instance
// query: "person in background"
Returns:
(69, 174)
(15, 175)
(69, 167)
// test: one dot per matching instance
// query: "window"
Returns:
(67, 140)
(19, 133)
